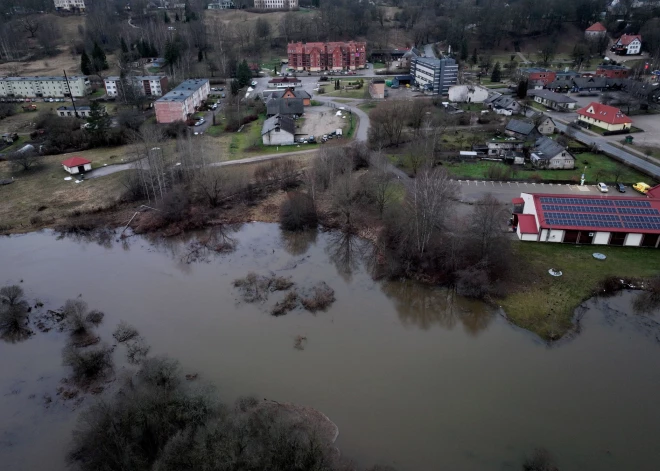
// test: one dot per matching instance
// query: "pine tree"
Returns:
(98, 58)
(166, 17)
(124, 46)
(464, 50)
(200, 55)
(85, 64)
(496, 76)
(522, 89)
(98, 123)
(474, 59)
(243, 74)
(235, 87)
(176, 17)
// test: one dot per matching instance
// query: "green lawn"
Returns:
(216, 130)
(471, 106)
(368, 106)
(359, 93)
(599, 168)
(545, 304)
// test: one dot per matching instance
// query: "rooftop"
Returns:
(552, 96)
(597, 27)
(37, 78)
(283, 122)
(114, 78)
(183, 91)
(75, 161)
(605, 113)
(520, 127)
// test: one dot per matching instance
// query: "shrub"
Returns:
(11, 295)
(298, 212)
(75, 314)
(95, 317)
(289, 303)
(320, 298)
(88, 364)
(124, 332)
(137, 350)
(14, 322)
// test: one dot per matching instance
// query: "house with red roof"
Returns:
(77, 164)
(588, 220)
(628, 45)
(604, 116)
(595, 31)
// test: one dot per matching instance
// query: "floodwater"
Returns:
(414, 377)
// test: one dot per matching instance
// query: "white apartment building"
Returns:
(275, 4)
(70, 5)
(33, 87)
(148, 85)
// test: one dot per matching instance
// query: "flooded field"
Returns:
(414, 377)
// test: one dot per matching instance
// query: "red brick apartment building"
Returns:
(315, 57)
(613, 71)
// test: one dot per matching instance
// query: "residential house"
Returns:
(628, 45)
(467, 94)
(278, 131)
(553, 100)
(595, 31)
(523, 130)
(563, 81)
(290, 93)
(292, 107)
(590, 84)
(499, 146)
(570, 219)
(284, 82)
(147, 85)
(221, 5)
(544, 124)
(180, 103)
(275, 4)
(548, 154)
(68, 111)
(604, 116)
(503, 104)
(76, 165)
(377, 88)
(534, 74)
(318, 56)
(612, 71)
(32, 87)
(434, 75)
(70, 5)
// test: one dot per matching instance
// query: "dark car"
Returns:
(621, 187)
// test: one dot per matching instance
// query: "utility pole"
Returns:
(75, 111)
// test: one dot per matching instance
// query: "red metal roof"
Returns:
(654, 192)
(598, 213)
(628, 38)
(605, 113)
(596, 27)
(527, 224)
(75, 161)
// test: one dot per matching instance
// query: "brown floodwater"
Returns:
(414, 377)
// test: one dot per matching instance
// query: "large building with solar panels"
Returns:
(597, 220)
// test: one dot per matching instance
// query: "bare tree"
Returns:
(344, 198)
(382, 189)
(25, 160)
(30, 25)
(389, 119)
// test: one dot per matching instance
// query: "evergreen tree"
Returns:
(189, 13)
(166, 17)
(521, 92)
(176, 17)
(99, 60)
(153, 52)
(464, 50)
(496, 76)
(474, 59)
(172, 53)
(98, 123)
(85, 64)
(124, 46)
(243, 74)
(200, 55)
(235, 87)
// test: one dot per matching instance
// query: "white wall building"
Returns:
(70, 5)
(275, 4)
(33, 87)
(467, 94)
(148, 85)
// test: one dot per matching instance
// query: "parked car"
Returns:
(223, 95)
(214, 89)
(200, 121)
(220, 89)
(254, 83)
(214, 106)
(602, 187)
(641, 187)
(621, 187)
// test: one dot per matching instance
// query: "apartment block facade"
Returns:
(320, 56)
(275, 4)
(39, 87)
(182, 101)
(70, 5)
(434, 75)
(148, 85)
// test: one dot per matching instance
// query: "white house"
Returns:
(278, 130)
(221, 5)
(549, 154)
(467, 94)
(70, 5)
(628, 45)
(275, 4)
(77, 165)
(69, 111)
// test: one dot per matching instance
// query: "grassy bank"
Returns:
(545, 304)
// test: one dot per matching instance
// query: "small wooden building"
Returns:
(76, 165)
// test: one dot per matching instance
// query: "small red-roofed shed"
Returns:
(77, 164)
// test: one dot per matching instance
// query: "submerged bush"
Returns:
(75, 315)
(298, 212)
(320, 298)
(88, 364)
(13, 313)
(124, 332)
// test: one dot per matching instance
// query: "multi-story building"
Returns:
(275, 4)
(70, 5)
(612, 71)
(434, 75)
(182, 102)
(148, 85)
(221, 5)
(33, 87)
(319, 56)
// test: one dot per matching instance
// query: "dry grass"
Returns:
(40, 198)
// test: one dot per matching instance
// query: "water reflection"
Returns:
(346, 251)
(423, 306)
(298, 243)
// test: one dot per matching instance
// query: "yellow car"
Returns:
(641, 187)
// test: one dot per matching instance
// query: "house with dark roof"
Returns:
(628, 45)
(563, 81)
(588, 220)
(522, 130)
(548, 154)
(278, 131)
(503, 104)
(604, 116)
(292, 107)
(553, 100)
(589, 84)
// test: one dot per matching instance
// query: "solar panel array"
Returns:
(605, 213)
